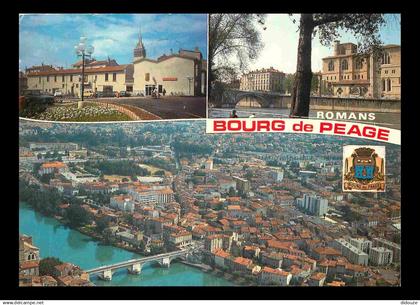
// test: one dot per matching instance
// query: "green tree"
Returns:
(365, 28)
(77, 216)
(232, 192)
(46, 265)
(232, 35)
(101, 224)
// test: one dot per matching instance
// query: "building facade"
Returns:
(380, 256)
(268, 80)
(184, 73)
(104, 77)
(353, 254)
(313, 205)
(348, 73)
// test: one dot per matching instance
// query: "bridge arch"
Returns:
(248, 99)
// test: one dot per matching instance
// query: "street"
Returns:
(168, 107)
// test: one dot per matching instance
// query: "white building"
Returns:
(183, 73)
(122, 203)
(208, 164)
(151, 194)
(277, 175)
(361, 244)
(380, 256)
(353, 254)
(395, 248)
(313, 205)
(275, 276)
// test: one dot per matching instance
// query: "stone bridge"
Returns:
(231, 98)
(134, 266)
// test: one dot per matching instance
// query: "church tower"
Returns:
(139, 50)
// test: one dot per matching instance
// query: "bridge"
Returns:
(134, 266)
(231, 99)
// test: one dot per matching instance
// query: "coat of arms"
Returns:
(363, 168)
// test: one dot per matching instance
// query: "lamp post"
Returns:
(83, 50)
(189, 78)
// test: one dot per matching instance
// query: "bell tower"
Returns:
(139, 50)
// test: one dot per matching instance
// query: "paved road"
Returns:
(169, 107)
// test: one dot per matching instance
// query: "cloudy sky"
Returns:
(281, 40)
(50, 39)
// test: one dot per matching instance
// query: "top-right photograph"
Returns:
(325, 66)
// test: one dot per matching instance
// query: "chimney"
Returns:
(336, 47)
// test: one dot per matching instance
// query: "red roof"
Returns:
(79, 71)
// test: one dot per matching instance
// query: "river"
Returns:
(56, 239)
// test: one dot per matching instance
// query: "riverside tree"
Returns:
(234, 41)
(365, 28)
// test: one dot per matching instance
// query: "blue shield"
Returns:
(363, 171)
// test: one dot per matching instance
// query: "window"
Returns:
(147, 77)
(393, 71)
(62, 86)
(383, 85)
(389, 85)
(114, 77)
(48, 78)
(359, 63)
(39, 79)
(386, 58)
(55, 78)
(344, 64)
(106, 77)
(331, 66)
(62, 78)
(386, 71)
(71, 78)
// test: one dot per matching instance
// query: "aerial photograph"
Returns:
(325, 66)
(133, 66)
(164, 204)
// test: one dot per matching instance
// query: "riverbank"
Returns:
(57, 240)
(95, 236)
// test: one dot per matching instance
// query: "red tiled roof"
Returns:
(79, 71)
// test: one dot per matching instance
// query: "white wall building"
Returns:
(353, 254)
(380, 256)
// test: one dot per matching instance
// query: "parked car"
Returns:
(88, 93)
(58, 93)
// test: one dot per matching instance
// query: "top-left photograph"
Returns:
(112, 67)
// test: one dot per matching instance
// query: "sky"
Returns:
(281, 40)
(50, 38)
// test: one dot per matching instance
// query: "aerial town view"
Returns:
(133, 67)
(351, 74)
(163, 204)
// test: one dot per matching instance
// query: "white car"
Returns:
(58, 93)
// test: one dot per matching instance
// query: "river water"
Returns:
(55, 239)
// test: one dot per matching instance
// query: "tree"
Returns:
(101, 224)
(46, 265)
(77, 216)
(365, 28)
(232, 192)
(232, 35)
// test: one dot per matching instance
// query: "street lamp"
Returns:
(189, 78)
(83, 50)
